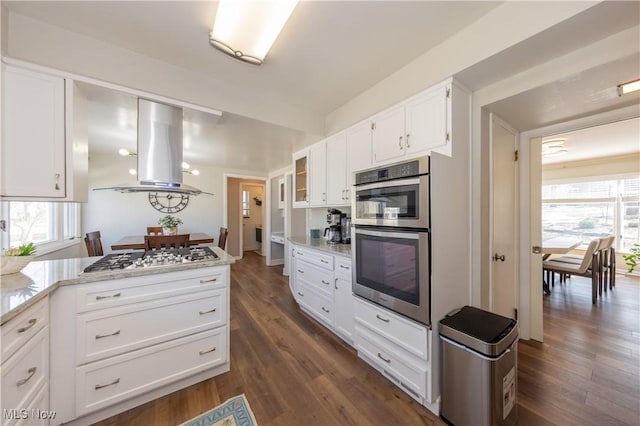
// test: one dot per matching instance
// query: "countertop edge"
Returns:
(343, 250)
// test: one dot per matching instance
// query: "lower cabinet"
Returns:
(136, 339)
(395, 346)
(24, 373)
(321, 284)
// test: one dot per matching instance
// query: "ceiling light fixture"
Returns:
(125, 152)
(628, 87)
(186, 168)
(246, 29)
(553, 147)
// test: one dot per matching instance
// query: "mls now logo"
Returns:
(15, 414)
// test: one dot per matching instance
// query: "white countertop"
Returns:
(20, 290)
(321, 244)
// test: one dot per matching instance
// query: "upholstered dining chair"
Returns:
(588, 267)
(154, 230)
(157, 242)
(94, 244)
(222, 239)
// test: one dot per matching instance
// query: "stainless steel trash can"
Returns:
(479, 362)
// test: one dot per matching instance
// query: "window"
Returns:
(45, 224)
(592, 210)
(246, 205)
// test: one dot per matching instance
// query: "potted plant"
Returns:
(15, 259)
(169, 224)
(633, 258)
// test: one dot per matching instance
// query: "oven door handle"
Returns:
(390, 234)
(389, 184)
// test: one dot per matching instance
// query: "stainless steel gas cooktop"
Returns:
(151, 258)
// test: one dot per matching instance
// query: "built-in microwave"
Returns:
(395, 195)
(392, 268)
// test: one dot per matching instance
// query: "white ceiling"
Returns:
(328, 53)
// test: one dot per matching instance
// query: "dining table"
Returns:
(557, 245)
(136, 242)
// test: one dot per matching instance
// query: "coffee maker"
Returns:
(345, 229)
(333, 232)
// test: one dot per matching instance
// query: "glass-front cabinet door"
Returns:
(301, 179)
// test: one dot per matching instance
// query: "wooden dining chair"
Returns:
(154, 230)
(222, 239)
(157, 242)
(94, 244)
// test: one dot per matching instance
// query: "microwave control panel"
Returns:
(394, 171)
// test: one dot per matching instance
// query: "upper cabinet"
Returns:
(318, 174)
(419, 125)
(301, 178)
(44, 137)
(337, 170)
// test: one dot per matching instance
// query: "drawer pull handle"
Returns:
(299, 253)
(208, 281)
(324, 261)
(344, 267)
(335, 283)
(31, 372)
(325, 309)
(102, 336)
(388, 361)
(302, 272)
(108, 297)
(115, 382)
(31, 323)
(382, 319)
(206, 352)
(300, 294)
(208, 312)
(325, 282)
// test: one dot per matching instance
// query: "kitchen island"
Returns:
(90, 345)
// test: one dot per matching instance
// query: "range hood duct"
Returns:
(159, 153)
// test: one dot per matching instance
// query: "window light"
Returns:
(246, 29)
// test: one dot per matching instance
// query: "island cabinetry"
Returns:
(396, 347)
(136, 338)
(43, 114)
(24, 372)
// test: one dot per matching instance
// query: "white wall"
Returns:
(117, 215)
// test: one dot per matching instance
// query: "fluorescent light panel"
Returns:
(629, 87)
(246, 29)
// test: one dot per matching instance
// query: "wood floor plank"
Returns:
(295, 372)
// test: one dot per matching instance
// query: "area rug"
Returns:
(233, 412)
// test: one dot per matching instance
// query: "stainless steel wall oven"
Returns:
(391, 258)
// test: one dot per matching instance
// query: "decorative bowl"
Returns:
(13, 264)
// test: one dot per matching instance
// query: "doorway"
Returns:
(252, 217)
(234, 215)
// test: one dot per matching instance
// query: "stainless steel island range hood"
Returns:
(159, 151)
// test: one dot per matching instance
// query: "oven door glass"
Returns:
(399, 203)
(393, 263)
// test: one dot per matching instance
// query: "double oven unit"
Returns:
(391, 239)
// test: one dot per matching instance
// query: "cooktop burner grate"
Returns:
(139, 259)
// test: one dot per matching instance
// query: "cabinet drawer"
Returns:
(104, 383)
(343, 268)
(311, 275)
(20, 329)
(406, 373)
(324, 261)
(24, 374)
(410, 336)
(112, 293)
(117, 330)
(36, 413)
(315, 302)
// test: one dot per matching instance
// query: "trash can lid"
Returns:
(481, 330)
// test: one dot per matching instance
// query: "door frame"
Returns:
(531, 227)
(225, 201)
(264, 206)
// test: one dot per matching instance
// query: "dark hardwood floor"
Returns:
(294, 372)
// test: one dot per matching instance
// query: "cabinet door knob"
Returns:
(407, 143)
(400, 142)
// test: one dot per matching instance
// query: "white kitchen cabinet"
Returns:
(301, 179)
(44, 137)
(136, 339)
(344, 322)
(337, 187)
(419, 125)
(318, 174)
(24, 372)
(358, 151)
